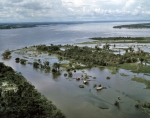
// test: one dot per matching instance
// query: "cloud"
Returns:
(56, 10)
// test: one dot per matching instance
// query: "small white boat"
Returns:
(85, 82)
(99, 88)
(119, 98)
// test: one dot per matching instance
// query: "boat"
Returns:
(99, 88)
(85, 82)
(77, 79)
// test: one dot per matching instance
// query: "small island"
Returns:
(83, 57)
(15, 26)
(134, 26)
(23, 25)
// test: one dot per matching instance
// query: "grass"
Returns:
(117, 41)
(121, 40)
(112, 69)
(64, 65)
(89, 42)
(134, 67)
(122, 74)
(81, 86)
(141, 80)
(80, 67)
(134, 26)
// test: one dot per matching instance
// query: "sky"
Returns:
(73, 10)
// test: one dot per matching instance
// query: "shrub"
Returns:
(6, 54)
(81, 86)
(107, 77)
(35, 64)
(65, 74)
(23, 61)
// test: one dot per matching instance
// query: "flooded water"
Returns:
(65, 33)
(64, 91)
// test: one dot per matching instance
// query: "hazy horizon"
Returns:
(75, 21)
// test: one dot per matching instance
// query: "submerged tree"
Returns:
(56, 66)
(141, 59)
(35, 64)
(23, 61)
(6, 54)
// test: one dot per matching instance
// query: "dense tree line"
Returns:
(142, 25)
(14, 26)
(48, 48)
(26, 102)
(117, 38)
(99, 56)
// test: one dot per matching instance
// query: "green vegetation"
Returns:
(122, 74)
(141, 80)
(56, 67)
(23, 61)
(81, 86)
(134, 26)
(112, 69)
(116, 104)
(43, 66)
(20, 99)
(107, 77)
(35, 64)
(134, 67)
(99, 40)
(17, 60)
(51, 48)
(15, 26)
(86, 57)
(65, 65)
(146, 107)
(89, 42)
(6, 54)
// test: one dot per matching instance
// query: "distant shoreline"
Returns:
(97, 40)
(36, 24)
(134, 26)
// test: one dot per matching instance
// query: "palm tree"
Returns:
(141, 59)
(56, 66)
(126, 50)
(145, 61)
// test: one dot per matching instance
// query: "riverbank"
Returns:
(134, 26)
(122, 40)
(19, 98)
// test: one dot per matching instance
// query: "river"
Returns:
(64, 92)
